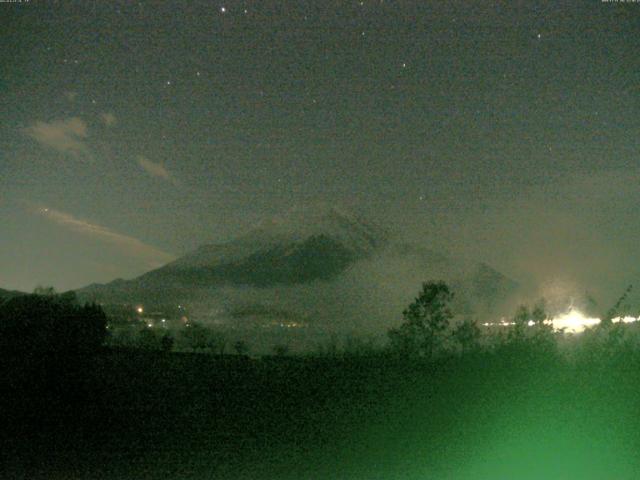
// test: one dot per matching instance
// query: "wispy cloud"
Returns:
(129, 245)
(109, 119)
(66, 135)
(155, 169)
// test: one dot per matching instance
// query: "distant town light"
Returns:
(572, 321)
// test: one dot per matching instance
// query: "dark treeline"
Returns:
(46, 322)
(442, 399)
(430, 330)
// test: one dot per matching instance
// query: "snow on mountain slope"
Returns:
(298, 225)
(315, 263)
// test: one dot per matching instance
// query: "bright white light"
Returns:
(139, 310)
(626, 319)
(573, 321)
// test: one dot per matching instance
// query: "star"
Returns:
(223, 9)
(539, 35)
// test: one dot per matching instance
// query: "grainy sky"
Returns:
(132, 132)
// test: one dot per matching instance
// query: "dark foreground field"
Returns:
(128, 415)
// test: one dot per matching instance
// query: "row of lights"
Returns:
(573, 321)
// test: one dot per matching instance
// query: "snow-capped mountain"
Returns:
(321, 264)
(301, 246)
(314, 227)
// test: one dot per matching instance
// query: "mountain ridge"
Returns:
(8, 294)
(299, 260)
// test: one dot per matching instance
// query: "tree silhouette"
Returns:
(44, 291)
(281, 350)
(539, 313)
(530, 332)
(195, 336)
(618, 309)
(166, 343)
(425, 321)
(36, 323)
(518, 332)
(467, 334)
(148, 339)
(543, 336)
(216, 342)
(241, 347)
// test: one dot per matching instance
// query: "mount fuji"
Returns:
(323, 266)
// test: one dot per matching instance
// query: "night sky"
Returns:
(133, 132)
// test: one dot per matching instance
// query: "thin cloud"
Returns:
(66, 136)
(109, 119)
(155, 169)
(131, 246)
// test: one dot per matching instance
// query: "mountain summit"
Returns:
(349, 229)
(301, 246)
(321, 263)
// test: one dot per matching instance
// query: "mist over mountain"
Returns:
(321, 266)
(305, 245)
